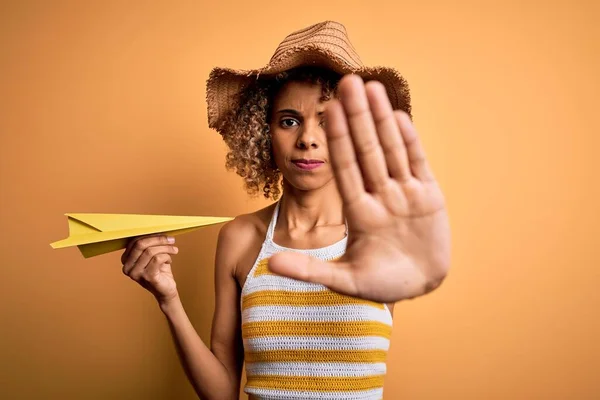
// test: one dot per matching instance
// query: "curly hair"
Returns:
(247, 132)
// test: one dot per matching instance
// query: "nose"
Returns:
(307, 139)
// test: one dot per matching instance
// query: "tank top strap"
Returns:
(271, 229)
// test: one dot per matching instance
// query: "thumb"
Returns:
(336, 274)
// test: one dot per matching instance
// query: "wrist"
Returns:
(169, 304)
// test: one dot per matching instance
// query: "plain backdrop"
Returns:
(102, 109)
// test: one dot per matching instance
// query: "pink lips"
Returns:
(307, 165)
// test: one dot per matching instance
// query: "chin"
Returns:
(307, 182)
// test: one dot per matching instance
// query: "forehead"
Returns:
(299, 96)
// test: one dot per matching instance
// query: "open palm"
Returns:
(399, 233)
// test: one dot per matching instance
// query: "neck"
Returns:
(303, 210)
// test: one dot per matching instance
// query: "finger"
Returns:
(136, 270)
(154, 251)
(140, 245)
(132, 242)
(140, 268)
(416, 155)
(388, 131)
(341, 151)
(128, 247)
(155, 265)
(363, 132)
(336, 275)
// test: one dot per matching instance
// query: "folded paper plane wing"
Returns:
(96, 234)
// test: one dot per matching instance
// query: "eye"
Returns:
(288, 122)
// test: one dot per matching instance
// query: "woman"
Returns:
(305, 288)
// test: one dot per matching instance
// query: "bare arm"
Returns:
(226, 336)
(214, 373)
(205, 371)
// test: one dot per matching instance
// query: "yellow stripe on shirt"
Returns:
(302, 298)
(315, 328)
(311, 355)
(320, 384)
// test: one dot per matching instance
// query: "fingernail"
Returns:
(176, 250)
(170, 239)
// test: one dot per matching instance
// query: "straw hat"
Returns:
(325, 44)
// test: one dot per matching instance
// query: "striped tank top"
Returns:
(304, 341)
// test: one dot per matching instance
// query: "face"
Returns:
(298, 136)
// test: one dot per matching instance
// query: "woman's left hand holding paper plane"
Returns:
(147, 260)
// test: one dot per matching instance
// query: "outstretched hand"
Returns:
(399, 234)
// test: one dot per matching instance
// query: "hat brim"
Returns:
(224, 84)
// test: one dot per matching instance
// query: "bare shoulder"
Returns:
(241, 238)
(243, 228)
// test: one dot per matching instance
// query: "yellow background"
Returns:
(102, 109)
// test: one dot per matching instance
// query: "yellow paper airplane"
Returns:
(96, 234)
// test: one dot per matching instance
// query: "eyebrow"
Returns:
(294, 112)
